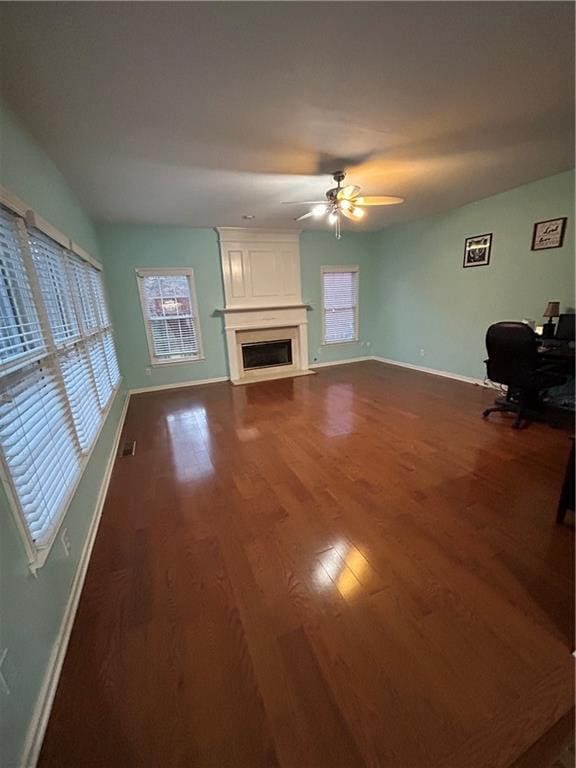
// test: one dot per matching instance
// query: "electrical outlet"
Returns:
(65, 539)
(422, 353)
(148, 371)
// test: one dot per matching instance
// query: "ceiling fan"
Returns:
(343, 201)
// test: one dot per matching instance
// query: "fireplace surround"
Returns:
(264, 309)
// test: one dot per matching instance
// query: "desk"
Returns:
(559, 401)
(561, 357)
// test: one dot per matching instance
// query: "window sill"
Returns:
(335, 343)
(183, 361)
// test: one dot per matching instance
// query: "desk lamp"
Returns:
(552, 310)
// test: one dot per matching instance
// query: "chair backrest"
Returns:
(512, 353)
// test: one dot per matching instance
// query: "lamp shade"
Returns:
(552, 310)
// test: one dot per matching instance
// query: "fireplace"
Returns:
(266, 354)
(265, 321)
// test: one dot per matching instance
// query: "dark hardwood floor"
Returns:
(340, 570)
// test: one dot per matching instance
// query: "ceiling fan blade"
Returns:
(305, 216)
(378, 200)
(348, 215)
(304, 202)
(347, 193)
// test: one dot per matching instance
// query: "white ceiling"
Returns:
(197, 113)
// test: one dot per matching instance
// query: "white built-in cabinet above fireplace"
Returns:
(260, 268)
(264, 309)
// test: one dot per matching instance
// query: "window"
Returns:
(169, 306)
(340, 304)
(58, 371)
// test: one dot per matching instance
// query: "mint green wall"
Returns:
(426, 300)
(125, 247)
(28, 172)
(31, 609)
(319, 249)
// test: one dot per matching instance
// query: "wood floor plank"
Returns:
(345, 569)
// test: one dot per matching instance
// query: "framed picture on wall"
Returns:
(477, 250)
(549, 234)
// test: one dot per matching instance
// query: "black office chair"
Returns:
(513, 360)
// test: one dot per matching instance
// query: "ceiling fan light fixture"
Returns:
(343, 202)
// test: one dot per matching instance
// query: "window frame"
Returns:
(188, 272)
(26, 222)
(354, 269)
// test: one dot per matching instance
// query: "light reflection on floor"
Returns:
(190, 443)
(245, 434)
(342, 566)
(338, 410)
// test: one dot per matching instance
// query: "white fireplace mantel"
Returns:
(260, 267)
(261, 271)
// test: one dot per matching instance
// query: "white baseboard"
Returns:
(198, 382)
(179, 385)
(433, 371)
(39, 721)
(341, 362)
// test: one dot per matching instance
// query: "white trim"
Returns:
(35, 221)
(261, 308)
(12, 202)
(340, 268)
(161, 272)
(159, 363)
(263, 377)
(188, 273)
(433, 371)
(354, 269)
(342, 362)
(84, 255)
(39, 721)
(244, 234)
(338, 343)
(179, 385)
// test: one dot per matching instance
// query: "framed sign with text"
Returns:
(548, 234)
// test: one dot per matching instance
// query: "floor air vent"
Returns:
(129, 448)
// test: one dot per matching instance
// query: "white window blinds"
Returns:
(82, 395)
(340, 304)
(99, 369)
(58, 371)
(20, 332)
(38, 442)
(169, 308)
(51, 273)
